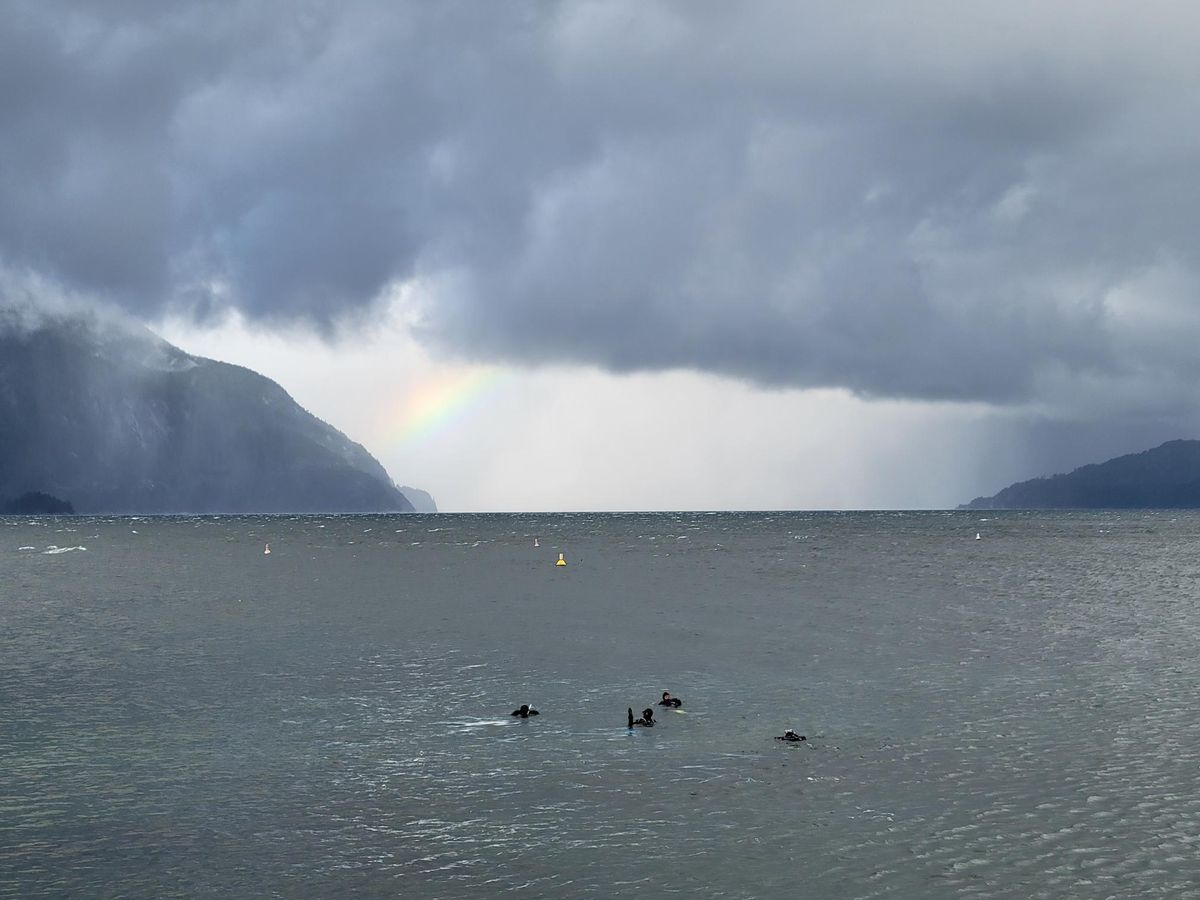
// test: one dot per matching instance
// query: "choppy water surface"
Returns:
(1008, 717)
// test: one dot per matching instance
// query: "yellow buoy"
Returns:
(561, 561)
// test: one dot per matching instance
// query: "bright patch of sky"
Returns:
(494, 438)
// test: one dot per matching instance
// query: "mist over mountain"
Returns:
(110, 418)
(1166, 477)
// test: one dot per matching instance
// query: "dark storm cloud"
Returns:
(934, 200)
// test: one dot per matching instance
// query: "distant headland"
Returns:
(112, 419)
(35, 503)
(1166, 477)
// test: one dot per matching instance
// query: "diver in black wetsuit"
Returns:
(646, 721)
(791, 737)
(668, 700)
(524, 712)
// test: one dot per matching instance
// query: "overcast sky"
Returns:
(635, 254)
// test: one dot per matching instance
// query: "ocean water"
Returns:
(1015, 716)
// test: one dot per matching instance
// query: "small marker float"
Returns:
(535, 542)
(977, 537)
(267, 550)
(561, 560)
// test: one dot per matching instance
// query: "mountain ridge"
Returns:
(111, 418)
(1163, 477)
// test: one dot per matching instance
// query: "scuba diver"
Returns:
(668, 700)
(790, 736)
(646, 721)
(524, 712)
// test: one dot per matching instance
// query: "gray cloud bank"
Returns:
(927, 200)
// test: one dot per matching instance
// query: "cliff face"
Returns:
(111, 418)
(1167, 477)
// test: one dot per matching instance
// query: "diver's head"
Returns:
(666, 695)
(524, 707)
(647, 713)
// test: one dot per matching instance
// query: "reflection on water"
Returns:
(995, 718)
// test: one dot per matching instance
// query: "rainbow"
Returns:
(424, 409)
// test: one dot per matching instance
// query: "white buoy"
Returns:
(267, 550)
(977, 537)
(535, 542)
